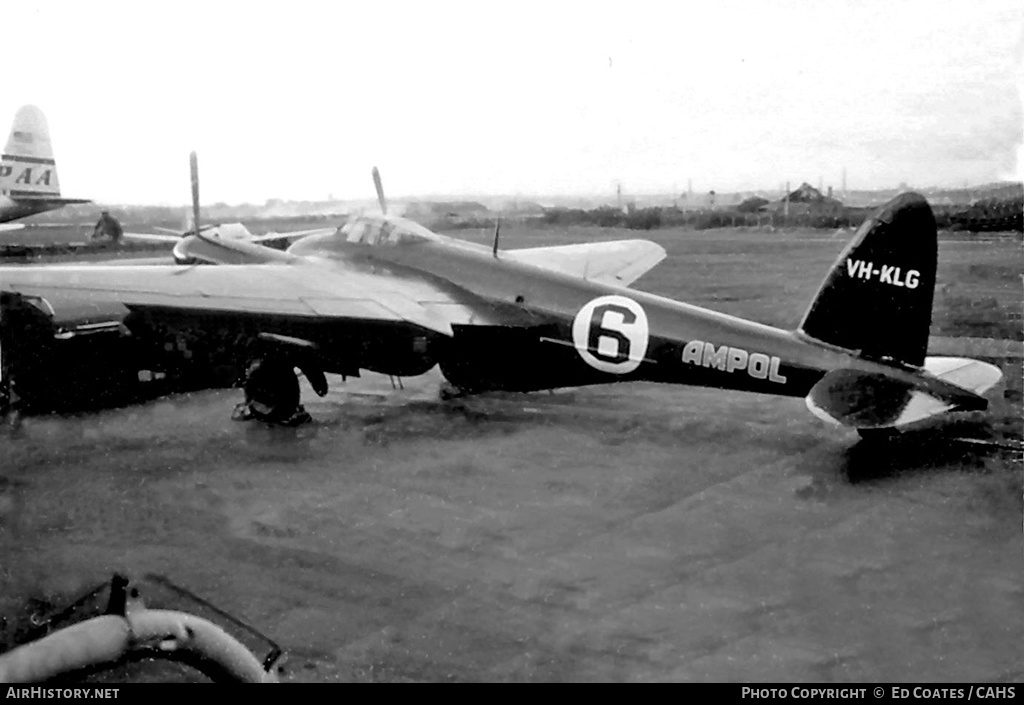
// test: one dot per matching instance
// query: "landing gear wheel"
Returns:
(878, 435)
(271, 394)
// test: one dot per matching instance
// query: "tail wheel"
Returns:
(271, 391)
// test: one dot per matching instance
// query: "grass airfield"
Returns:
(629, 532)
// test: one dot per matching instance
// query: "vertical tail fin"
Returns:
(27, 167)
(877, 299)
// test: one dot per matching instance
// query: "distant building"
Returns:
(753, 204)
(806, 200)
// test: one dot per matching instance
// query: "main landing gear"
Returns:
(272, 393)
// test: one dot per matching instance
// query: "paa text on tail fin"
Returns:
(27, 166)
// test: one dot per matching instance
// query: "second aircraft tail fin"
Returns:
(27, 166)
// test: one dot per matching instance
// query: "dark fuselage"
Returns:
(566, 331)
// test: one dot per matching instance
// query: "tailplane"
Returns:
(873, 399)
(877, 300)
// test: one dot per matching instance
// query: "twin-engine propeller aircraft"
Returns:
(385, 294)
(28, 172)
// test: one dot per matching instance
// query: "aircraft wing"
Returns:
(34, 226)
(151, 237)
(258, 289)
(618, 262)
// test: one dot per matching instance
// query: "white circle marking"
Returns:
(611, 334)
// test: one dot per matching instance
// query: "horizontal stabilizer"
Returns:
(859, 399)
(977, 376)
(51, 202)
(875, 400)
(619, 262)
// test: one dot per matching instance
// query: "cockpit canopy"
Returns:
(371, 231)
(385, 230)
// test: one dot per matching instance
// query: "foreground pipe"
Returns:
(106, 640)
(99, 640)
(169, 631)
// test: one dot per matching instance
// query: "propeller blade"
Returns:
(194, 168)
(380, 191)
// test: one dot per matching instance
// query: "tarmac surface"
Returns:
(632, 532)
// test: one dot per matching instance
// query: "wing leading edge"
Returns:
(257, 289)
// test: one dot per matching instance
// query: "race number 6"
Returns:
(611, 334)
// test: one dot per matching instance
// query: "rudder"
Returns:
(27, 167)
(877, 299)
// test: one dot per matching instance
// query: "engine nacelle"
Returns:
(182, 255)
(511, 359)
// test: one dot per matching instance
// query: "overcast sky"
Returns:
(299, 99)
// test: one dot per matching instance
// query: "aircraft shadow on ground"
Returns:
(942, 447)
(71, 403)
(439, 420)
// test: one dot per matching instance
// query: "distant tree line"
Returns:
(988, 215)
(652, 218)
(607, 217)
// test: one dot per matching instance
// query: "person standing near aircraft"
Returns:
(107, 226)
